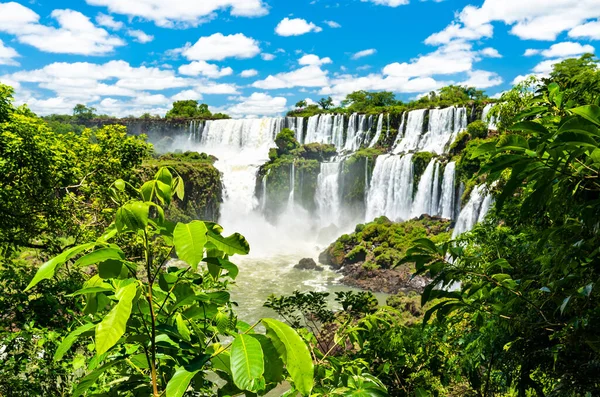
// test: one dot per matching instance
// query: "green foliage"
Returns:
(83, 113)
(286, 142)
(478, 129)
(364, 102)
(163, 322)
(325, 103)
(192, 109)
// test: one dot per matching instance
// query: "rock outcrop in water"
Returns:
(367, 257)
(308, 264)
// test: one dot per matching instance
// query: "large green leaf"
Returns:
(247, 363)
(234, 244)
(100, 256)
(512, 142)
(589, 112)
(294, 352)
(133, 216)
(164, 175)
(529, 126)
(112, 327)
(180, 382)
(70, 339)
(189, 240)
(46, 271)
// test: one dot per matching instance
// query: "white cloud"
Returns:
(204, 68)
(109, 22)
(209, 87)
(531, 19)
(482, 79)
(345, 84)
(295, 27)
(182, 13)
(590, 30)
(140, 36)
(218, 47)
(311, 59)
(187, 94)
(567, 49)
(267, 57)
(151, 99)
(364, 53)
(456, 31)
(8, 55)
(76, 34)
(308, 76)
(249, 73)
(531, 52)
(389, 3)
(332, 24)
(258, 104)
(545, 67)
(490, 52)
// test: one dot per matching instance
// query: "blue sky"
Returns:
(259, 57)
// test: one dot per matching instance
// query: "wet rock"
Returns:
(308, 264)
(389, 281)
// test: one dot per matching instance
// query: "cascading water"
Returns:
(326, 128)
(327, 196)
(474, 211)
(424, 200)
(448, 199)
(378, 132)
(412, 131)
(391, 189)
(489, 119)
(291, 197)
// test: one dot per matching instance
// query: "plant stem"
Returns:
(152, 317)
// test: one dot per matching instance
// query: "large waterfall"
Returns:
(327, 196)
(426, 201)
(391, 188)
(474, 211)
(489, 119)
(326, 128)
(379, 131)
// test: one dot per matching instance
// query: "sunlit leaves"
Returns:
(189, 240)
(247, 363)
(47, 270)
(112, 327)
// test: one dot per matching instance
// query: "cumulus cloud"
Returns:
(8, 55)
(187, 95)
(567, 49)
(218, 47)
(531, 19)
(531, 52)
(311, 59)
(490, 52)
(590, 30)
(109, 22)
(364, 53)
(76, 34)
(482, 79)
(267, 57)
(140, 36)
(258, 104)
(204, 68)
(249, 73)
(308, 76)
(182, 13)
(295, 27)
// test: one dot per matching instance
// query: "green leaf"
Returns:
(164, 175)
(589, 112)
(120, 185)
(189, 240)
(576, 124)
(232, 269)
(112, 327)
(100, 256)
(110, 269)
(70, 339)
(512, 142)
(234, 244)
(133, 216)
(488, 147)
(182, 327)
(92, 290)
(180, 382)
(179, 188)
(163, 191)
(529, 126)
(294, 353)
(46, 271)
(247, 363)
(89, 380)
(564, 304)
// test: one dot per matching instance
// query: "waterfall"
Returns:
(424, 200)
(447, 200)
(296, 124)
(475, 211)
(487, 118)
(263, 204)
(327, 195)
(400, 130)
(326, 128)
(435, 196)
(195, 130)
(379, 130)
(413, 130)
(291, 197)
(391, 189)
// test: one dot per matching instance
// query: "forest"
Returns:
(115, 277)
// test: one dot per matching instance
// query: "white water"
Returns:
(448, 199)
(489, 119)
(327, 196)
(391, 189)
(379, 131)
(413, 129)
(474, 211)
(424, 200)
(291, 197)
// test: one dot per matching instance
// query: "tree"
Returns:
(83, 113)
(578, 78)
(301, 104)
(362, 101)
(188, 109)
(326, 103)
